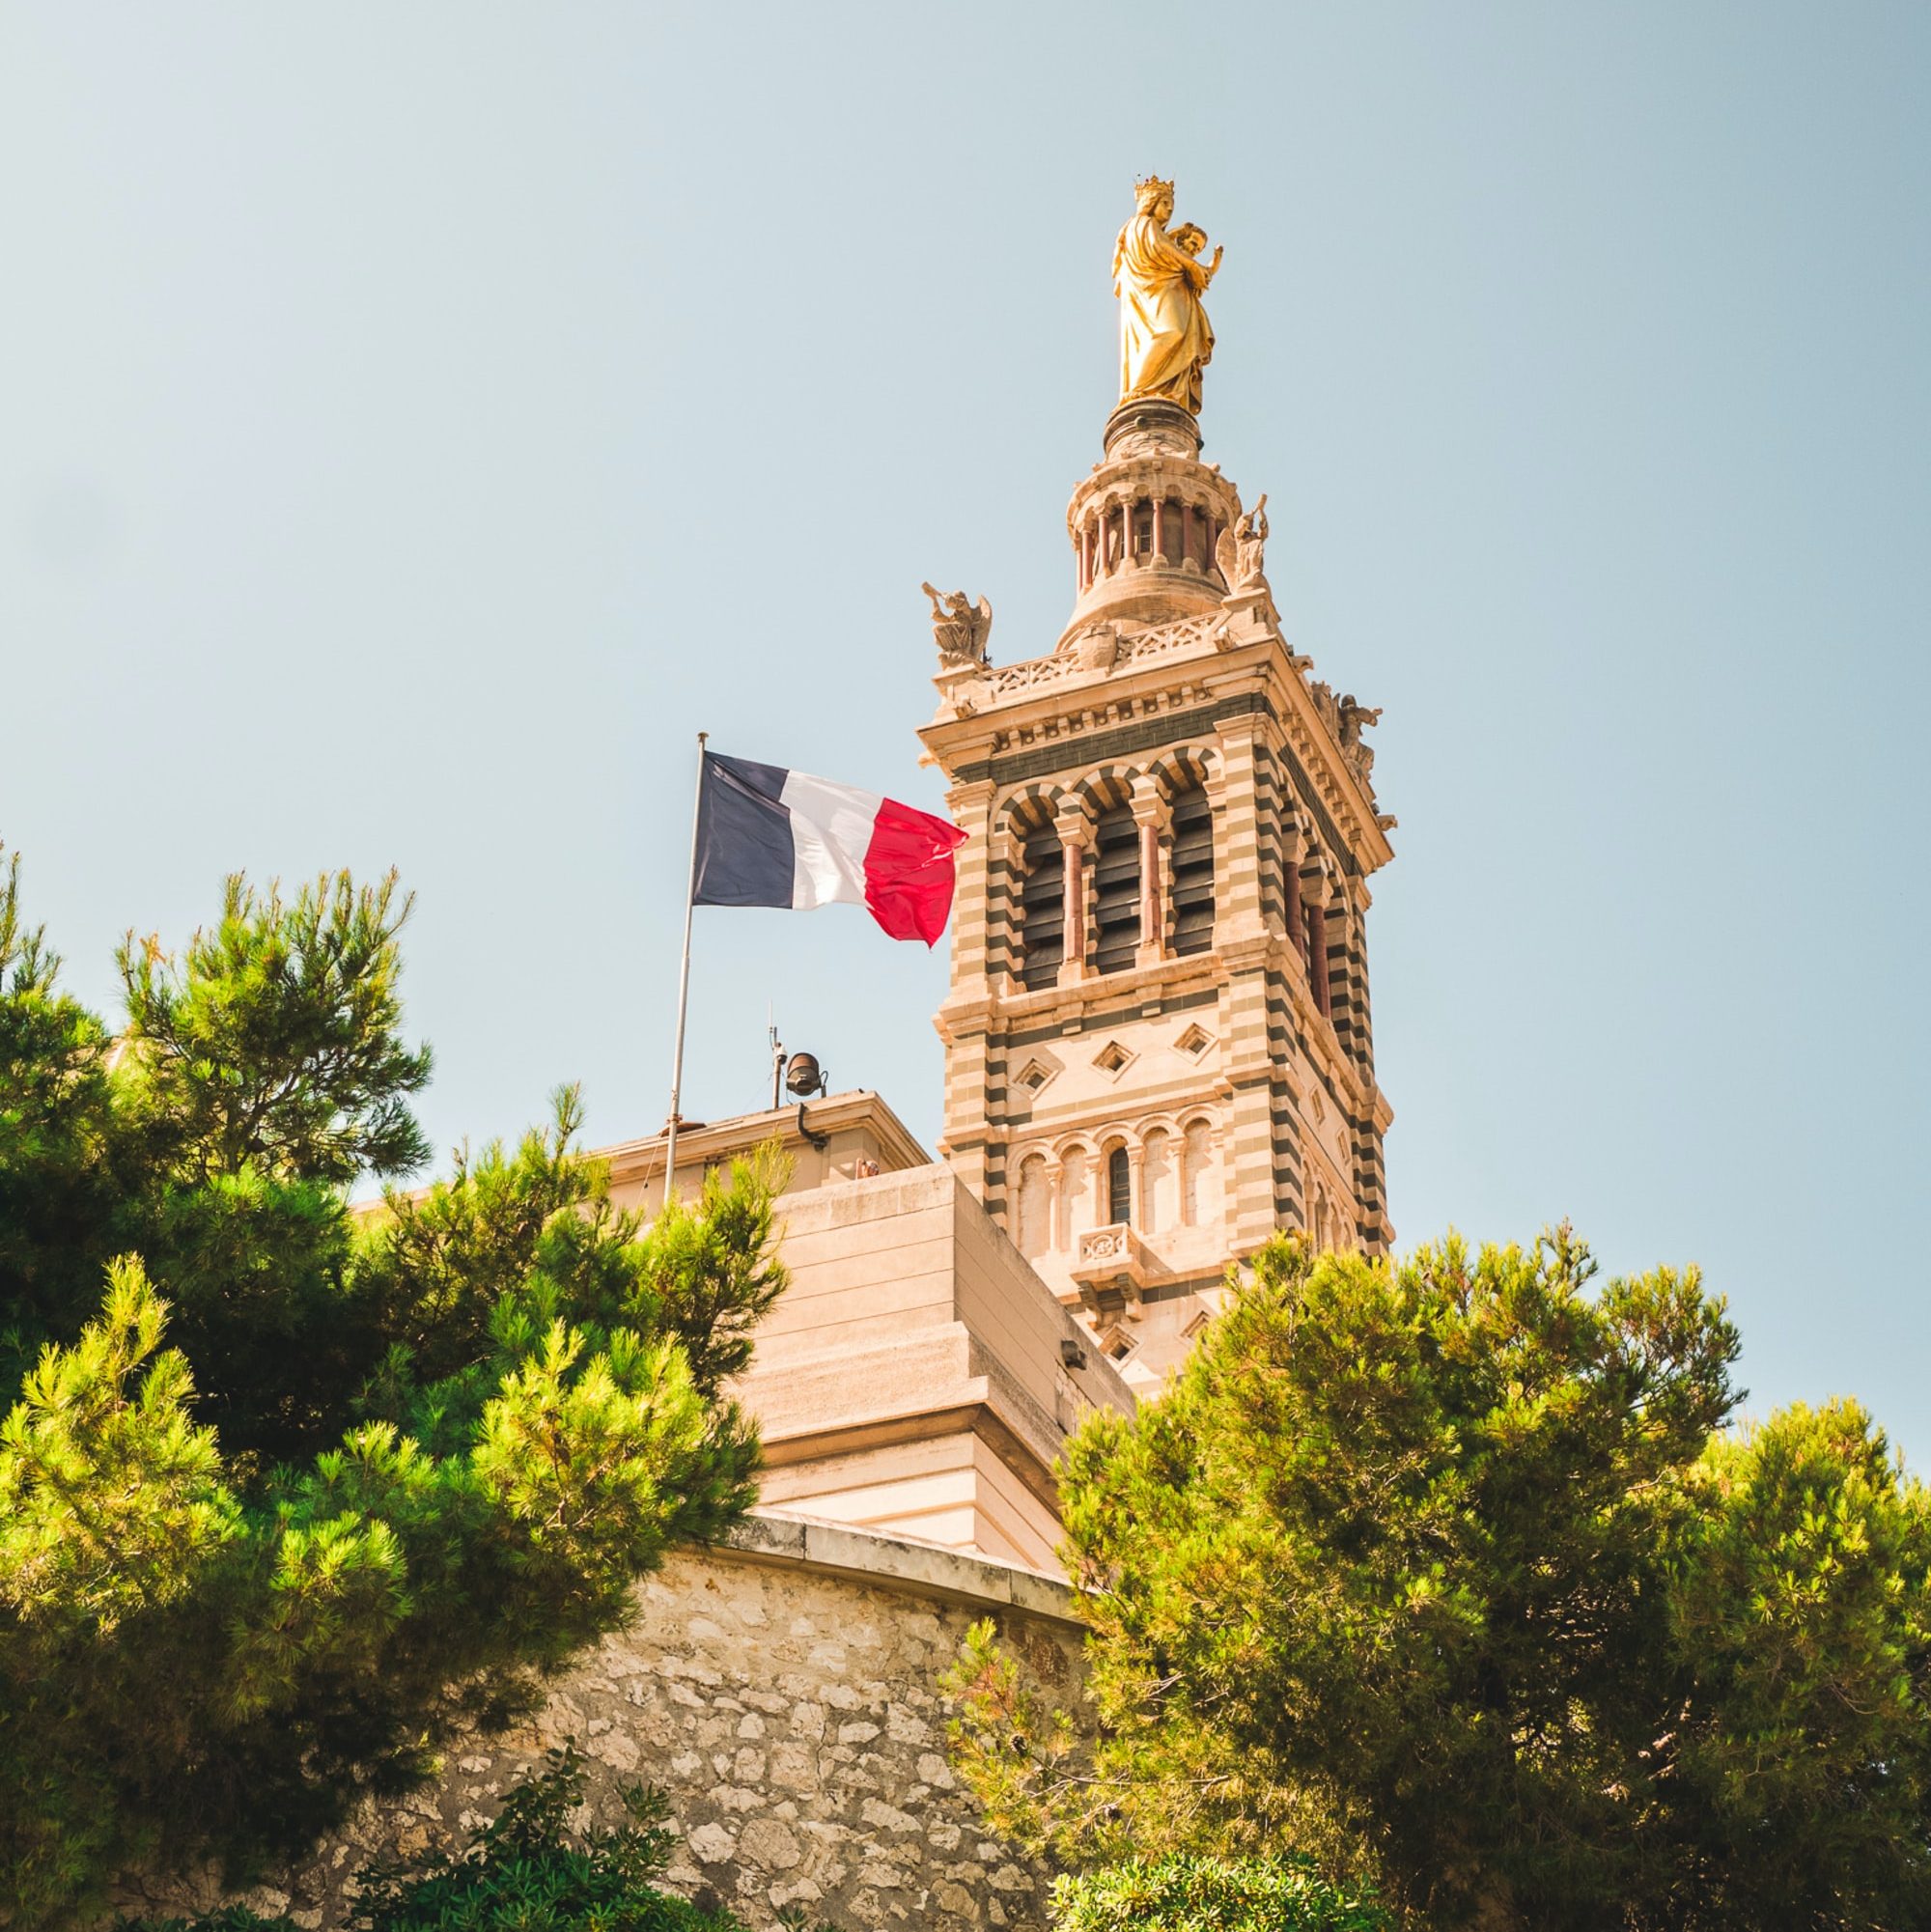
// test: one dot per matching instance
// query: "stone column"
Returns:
(1317, 951)
(1150, 815)
(1136, 1213)
(1075, 829)
(1160, 530)
(1293, 847)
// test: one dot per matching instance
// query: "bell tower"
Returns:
(1158, 1044)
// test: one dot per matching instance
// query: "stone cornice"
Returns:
(900, 1563)
(717, 1141)
(997, 1011)
(1047, 715)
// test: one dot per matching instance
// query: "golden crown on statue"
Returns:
(1149, 190)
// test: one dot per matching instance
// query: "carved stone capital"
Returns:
(1150, 803)
(1073, 821)
(972, 795)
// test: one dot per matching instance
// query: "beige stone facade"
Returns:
(1159, 1047)
(782, 1692)
(916, 1376)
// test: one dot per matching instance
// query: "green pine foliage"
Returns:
(61, 1187)
(1448, 1574)
(526, 1871)
(1181, 1893)
(286, 1492)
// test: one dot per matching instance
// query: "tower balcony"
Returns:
(1112, 1267)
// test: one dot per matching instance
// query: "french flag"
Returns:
(766, 836)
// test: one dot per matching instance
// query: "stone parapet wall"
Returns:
(782, 1690)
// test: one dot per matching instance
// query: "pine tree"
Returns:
(289, 1492)
(1441, 1572)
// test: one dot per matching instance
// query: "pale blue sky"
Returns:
(416, 421)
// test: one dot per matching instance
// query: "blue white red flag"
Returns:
(768, 837)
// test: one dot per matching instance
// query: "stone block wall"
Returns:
(783, 1692)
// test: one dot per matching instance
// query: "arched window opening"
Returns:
(1119, 1186)
(1042, 908)
(1323, 1229)
(1317, 958)
(1193, 866)
(1116, 889)
(1076, 1199)
(1035, 1205)
(1157, 1182)
(1199, 1200)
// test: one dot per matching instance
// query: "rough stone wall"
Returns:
(791, 1713)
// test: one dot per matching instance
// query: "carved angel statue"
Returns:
(959, 627)
(1165, 341)
(1242, 549)
(1354, 718)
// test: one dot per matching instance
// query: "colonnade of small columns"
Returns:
(1166, 531)
(1076, 824)
(1311, 885)
(1173, 1183)
(1319, 905)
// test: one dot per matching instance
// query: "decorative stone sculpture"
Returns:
(1243, 549)
(1097, 647)
(1354, 718)
(960, 629)
(1165, 340)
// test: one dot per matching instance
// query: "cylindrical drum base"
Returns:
(1150, 426)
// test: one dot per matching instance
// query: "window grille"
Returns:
(1192, 835)
(1042, 908)
(1119, 1186)
(1116, 890)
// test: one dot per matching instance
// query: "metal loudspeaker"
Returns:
(805, 1075)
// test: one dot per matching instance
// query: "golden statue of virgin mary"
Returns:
(1165, 341)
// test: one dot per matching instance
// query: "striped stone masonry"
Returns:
(1194, 1071)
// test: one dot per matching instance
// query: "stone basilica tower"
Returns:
(1158, 1047)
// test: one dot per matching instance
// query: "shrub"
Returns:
(1181, 1893)
(527, 1870)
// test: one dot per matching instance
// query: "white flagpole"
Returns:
(684, 984)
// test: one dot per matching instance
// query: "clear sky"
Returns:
(417, 421)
